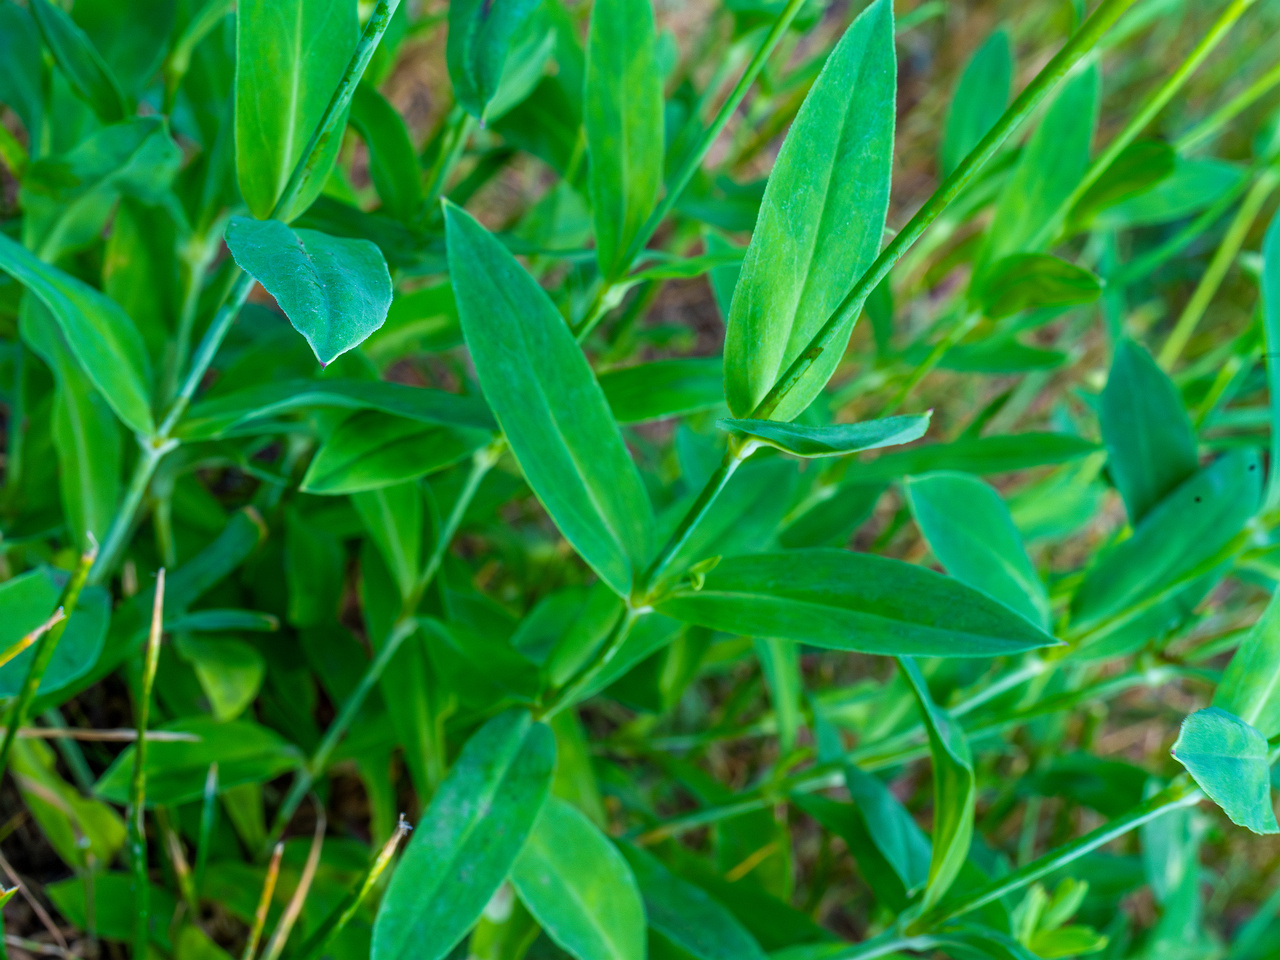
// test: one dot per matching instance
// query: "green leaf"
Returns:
(80, 62)
(1250, 686)
(852, 601)
(780, 664)
(393, 162)
(1140, 166)
(1228, 759)
(108, 898)
(1031, 281)
(372, 449)
(549, 404)
(1196, 182)
(334, 290)
(663, 388)
(479, 40)
(467, 840)
(290, 55)
(392, 515)
(624, 126)
(176, 770)
(21, 67)
(230, 672)
(1184, 531)
(1151, 446)
(579, 888)
(28, 600)
(248, 410)
(980, 97)
(102, 337)
(686, 916)
(821, 221)
(138, 158)
(954, 789)
(980, 455)
(970, 531)
(831, 441)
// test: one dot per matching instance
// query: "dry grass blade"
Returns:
(115, 735)
(36, 906)
(290, 916)
(264, 903)
(32, 637)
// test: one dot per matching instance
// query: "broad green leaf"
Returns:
(1250, 686)
(372, 449)
(1187, 529)
(230, 672)
(579, 888)
(1228, 759)
(1196, 182)
(249, 410)
(1140, 166)
(334, 290)
(780, 664)
(686, 916)
(1031, 281)
(467, 840)
(663, 388)
(980, 97)
(140, 270)
(132, 39)
(392, 515)
(954, 789)
(830, 519)
(176, 770)
(981, 455)
(80, 62)
(970, 531)
(852, 601)
(393, 162)
(28, 600)
(1151, 447)
(821, 221)
(549, 404)
(624, 126)
(480, 38)
(830, 441)
(108, 898)
(290, 55)
(102, 337)
(1047, 170)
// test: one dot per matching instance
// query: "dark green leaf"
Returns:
(852, 601)
(393, 163)
(1030, 281)
(1228, 759)
(663, 388)
(831, 441)
(87, 438)
(980, 455)
(623, 119)
(1250, 686)
(334, 290)
(467, 840)
(392, 515)
(579, 888)
(28, 600)
(290, 55)
(821, 220)
(1140, 166)
(979, 99)
(549, 404)
(80, 62)
(21, 67)
(480, 38)
(138, 158)
(1196, 182)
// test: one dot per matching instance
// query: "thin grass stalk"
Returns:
(1213, 123)
(18, 646)
(45, 648)
(264, 903)
(138, 787)
(290, 916)
(208, 823)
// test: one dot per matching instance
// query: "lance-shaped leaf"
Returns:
(393, 163)
(80, 62)
(663, 388)
(481, 34)
(290, 55)
(392, 515)
(970, 531)
(467, 840)
(852, 601)
(1228, 759)
(1030, 281)
(334, 290)
(624, 126)
(981, 455)
(1151, 447)
(979, 99)
(579, 888)
(1250, 686)
(101, 335)
(830, 441)
(137, 157)
(685, 916)
(549, 404)
(954, 789)
(821, 221)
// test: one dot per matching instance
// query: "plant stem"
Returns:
(1222, 260)
(1030, 98)
(45, 648)
(1228, 111)
(153, 452)
(572, 692)
(138, 787)
(452, 144)
(264, 903)
(940, 349)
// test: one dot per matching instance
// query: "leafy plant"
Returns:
(467, 518)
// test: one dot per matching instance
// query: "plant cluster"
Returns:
(481, 530)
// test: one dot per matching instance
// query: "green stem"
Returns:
(922, 370)
(153, 452)
(45, 648)
(138, 786)
(572, 692)
(1180, 794)
(1222, 260)
(179, 61)
(452, 144)
(1228, 111)
(1146, 113)
(1026, 103)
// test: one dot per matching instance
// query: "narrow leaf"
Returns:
(1250, 686)
(832, 441)
(979, 99)
(80, 62)
(393, 162)
(480, 38)
(663, 388)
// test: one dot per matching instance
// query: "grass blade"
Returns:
(138, 790)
